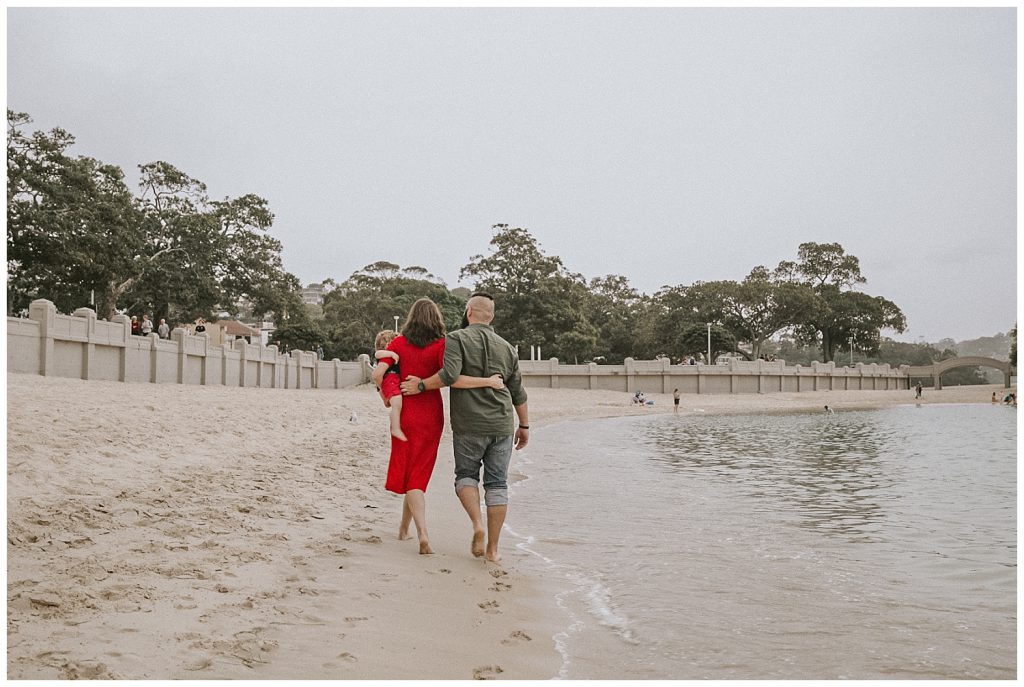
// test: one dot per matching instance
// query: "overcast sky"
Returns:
(666, 145)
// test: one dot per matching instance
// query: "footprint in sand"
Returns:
(490, 606)
(517, 637)
(487, 672)
(346, 656)
(497, 572)
(500, 587)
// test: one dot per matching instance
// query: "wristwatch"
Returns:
(421, 386)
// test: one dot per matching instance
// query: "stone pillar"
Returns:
(89, 352)
(224, 348)
(153, 356)
(240, 347)
(297, 357)
(364, 365)
(630, 370)
(125, 322)
(202, 361)
(553, 363)
(938, 381)
(592, 372)
(178, 337)
(797, 368)
(275, 373)
(1007, 376)
(44, 312)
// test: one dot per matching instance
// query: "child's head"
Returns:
(384, 337)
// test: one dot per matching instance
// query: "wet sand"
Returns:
(172, 532)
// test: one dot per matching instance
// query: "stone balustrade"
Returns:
(83, 347)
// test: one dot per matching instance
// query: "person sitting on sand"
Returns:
(995, 397)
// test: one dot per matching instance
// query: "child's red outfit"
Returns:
(390, 386)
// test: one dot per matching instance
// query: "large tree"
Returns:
(836, 315)
(371, 297)
(537, 301)
(74, 229)
(72, 224)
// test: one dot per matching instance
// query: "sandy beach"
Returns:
(184, 532)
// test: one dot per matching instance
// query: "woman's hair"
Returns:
(383, 338)
(424, 323)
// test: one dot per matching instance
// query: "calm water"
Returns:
(869, 544)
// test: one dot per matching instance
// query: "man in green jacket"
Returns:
(483, 420)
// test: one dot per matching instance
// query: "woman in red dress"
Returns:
(420, 351)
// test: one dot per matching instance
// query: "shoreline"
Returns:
(184, 532)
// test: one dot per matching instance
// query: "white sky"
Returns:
(666, 145)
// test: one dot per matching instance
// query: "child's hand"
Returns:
(495, 381)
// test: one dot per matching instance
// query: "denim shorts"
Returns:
(473, 451)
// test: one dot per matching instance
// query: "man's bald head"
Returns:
(480, 309)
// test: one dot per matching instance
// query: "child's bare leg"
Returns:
(396, 418)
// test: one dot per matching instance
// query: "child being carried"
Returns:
(391, 391)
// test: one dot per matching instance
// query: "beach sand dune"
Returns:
(184, 532)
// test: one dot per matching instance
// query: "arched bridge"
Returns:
(941, 367)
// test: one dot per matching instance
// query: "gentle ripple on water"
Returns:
(869, 544)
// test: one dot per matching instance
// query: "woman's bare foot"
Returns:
(425, 547)
(403, 534)
(492, 556)
(477, 545)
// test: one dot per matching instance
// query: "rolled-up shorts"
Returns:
(493, 454)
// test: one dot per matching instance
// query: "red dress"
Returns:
(412, 461)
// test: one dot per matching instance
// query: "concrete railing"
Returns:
(83, 347)
(738, 377)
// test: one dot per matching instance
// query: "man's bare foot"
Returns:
(477, 545)
(398, 434)
(403, 534)
(425, 547)
(492, 556)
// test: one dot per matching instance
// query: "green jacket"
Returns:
(477, 351)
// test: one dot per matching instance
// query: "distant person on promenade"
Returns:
(483, 425)
(136, 330)
(420, 349)
(146, 326)
(163, 331)
(319, 352)
(675, 400)
(918, 388)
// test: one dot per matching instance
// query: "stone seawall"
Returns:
(83, 347)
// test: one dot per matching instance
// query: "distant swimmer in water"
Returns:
(829, 411)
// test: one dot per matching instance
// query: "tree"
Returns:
(371, 297)
(71, 222)
(755, 309)
(74, 229)
(612, 308)
(537, 301)
(1013, 345)
(694, 341)
(834, 316)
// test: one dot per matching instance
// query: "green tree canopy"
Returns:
(537, 301)
(74, 228)
(371, 297)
